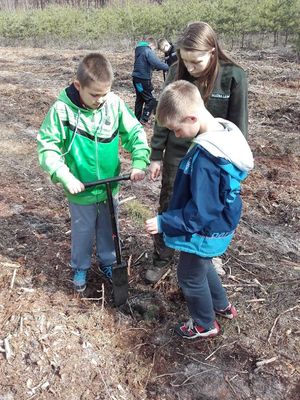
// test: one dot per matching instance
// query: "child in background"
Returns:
(145, 62)
(169, 51)
(205, 208)
(79, 142)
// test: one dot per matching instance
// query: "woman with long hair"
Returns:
(223, 87)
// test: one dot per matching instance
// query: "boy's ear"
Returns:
(191, 119)
(77, 84)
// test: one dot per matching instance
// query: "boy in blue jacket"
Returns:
(144, 63)
(206, 205)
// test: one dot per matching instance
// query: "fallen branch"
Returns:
(231, 387)
(255, 300)
(7, 348)
(267, 361)
(129, 263)
(91, 298)
(9, 264)
(103, 297)
(277, 318)
(150, 370)
(127, 199)
(162, 278)
(185, 382)
(218, 348)
(13, 279)
(139, 257)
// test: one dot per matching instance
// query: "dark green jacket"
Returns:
(229, 100)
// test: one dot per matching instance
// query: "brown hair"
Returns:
(176, 100)
(151, 40)
(94, 68)
(199, 36)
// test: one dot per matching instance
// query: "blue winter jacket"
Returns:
(206, 205)
(146, 61)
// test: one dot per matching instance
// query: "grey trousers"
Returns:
(90, 224)
(202, 288)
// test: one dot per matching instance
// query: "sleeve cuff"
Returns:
(139, 164)
(159, 228)
(156, 155)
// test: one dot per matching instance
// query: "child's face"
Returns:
(186, 128)
(166, 47)
(94, 95)
(196, 61)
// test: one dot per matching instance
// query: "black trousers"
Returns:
(161, 253)
(145, 102)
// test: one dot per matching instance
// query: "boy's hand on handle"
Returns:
(152, 226)
(154, 169)
(75, 186)
(137, 174)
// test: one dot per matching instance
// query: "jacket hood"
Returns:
(228, 143)
(70, 96)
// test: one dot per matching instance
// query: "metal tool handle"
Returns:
(125, 177)
(114, 227)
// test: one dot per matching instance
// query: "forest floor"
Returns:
(56, 344)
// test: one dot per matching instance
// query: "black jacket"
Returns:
(171, 55)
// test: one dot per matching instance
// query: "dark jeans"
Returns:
(162, 255)
(202, 288)
(145, 102)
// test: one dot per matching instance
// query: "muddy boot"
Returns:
(162, 259)
(154, 274)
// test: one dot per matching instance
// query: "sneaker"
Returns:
(79, 280)
(106, 271)
(189, 330)
(229, 312)
(154, 274)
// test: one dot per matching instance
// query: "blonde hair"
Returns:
(94, 67)
(199, 36)
(176, 100)
(162, 43)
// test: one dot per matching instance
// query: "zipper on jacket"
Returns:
(96, 147)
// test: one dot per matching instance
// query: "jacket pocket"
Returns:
(218, 105)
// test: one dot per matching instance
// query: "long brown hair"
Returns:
(199, 36)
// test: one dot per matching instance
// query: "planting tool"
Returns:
(119, 268)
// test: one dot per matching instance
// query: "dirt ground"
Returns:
(56, 344)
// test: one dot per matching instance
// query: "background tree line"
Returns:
(86, 21)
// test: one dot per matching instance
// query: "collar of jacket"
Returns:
(142, 44)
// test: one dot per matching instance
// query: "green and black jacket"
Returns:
(85, 143)
(228, 100)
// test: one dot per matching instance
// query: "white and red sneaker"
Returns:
(190, 330)
(229, 312)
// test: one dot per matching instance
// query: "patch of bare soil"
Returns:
(57, 345)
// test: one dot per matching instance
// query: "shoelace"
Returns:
(189, 324)
(107, 271)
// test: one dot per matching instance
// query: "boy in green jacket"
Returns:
(79, 142)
